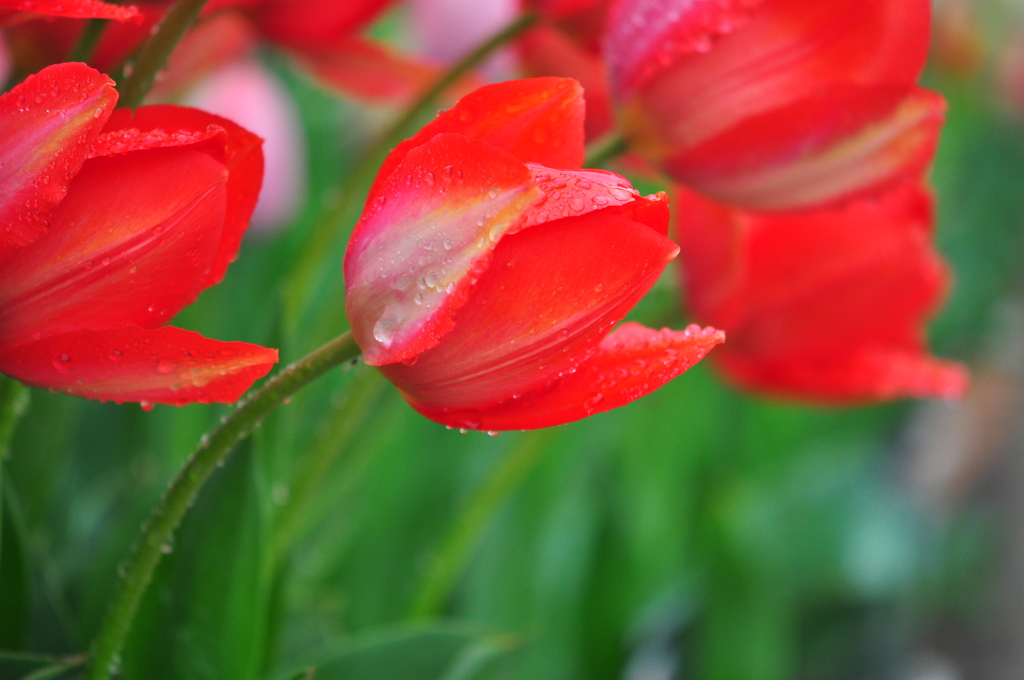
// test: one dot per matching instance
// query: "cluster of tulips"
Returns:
(490, 272)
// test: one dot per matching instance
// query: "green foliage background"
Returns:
(697, 533)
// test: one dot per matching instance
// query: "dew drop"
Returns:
(576, 204)
(115, 355)
(146, 405)
(165, 366)
(98, 112)
(447, 244)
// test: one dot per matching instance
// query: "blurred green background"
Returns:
(698, 533)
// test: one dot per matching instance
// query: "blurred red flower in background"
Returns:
(321, 35)
(114, 222)
(775, 104)
(828, 304)
(18, 10)
(488, 268)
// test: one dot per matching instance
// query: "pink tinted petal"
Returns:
(631, 362)
(127, 140)
(367, 70)
(644, 36)
(163, 365)
(538, 312)
(131, 244)
(866, 375)
(75, 9)
(570, 193)
(247, 93)
(537, 120)
(419, 248)
(46, 125)
(843, 144)
(243, 158)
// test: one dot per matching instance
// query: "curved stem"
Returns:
(605, 149)
(331, 222)
(88, 40)
(474, 519)
(152, 56)
(213, 449)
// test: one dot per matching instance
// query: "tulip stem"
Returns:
(327, 229)
(153, 54)
(213, 449)
(605, 149)
(88, 40)
(476, 516)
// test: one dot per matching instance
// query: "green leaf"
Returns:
(436, 653)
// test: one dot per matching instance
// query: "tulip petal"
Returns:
(315, 23)
(367, 70)
(419, 249)
(130, 244)
(163, 365)
(537, 312)
(243, 158)
(537, 120)
(75, 9)
(867, 374)
(46, 125)
(571, 193)
(826, 149)
(828, 305)
(630, 363)
(644, 36)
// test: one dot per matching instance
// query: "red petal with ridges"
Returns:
(163, 366)
(368, 71)
(130, 244)
(536, 314)
(811, 300)
(537, 120)
(419, 248)
(844, 143)
(315, 23)
(630, 363)
(243, 159)
(75, 9)
(729, 58)
(645, 36)
(46, 125)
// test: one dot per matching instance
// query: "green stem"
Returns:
(152, 56)
(213, 449)
(605, 149)
(326, 232)
(88, 40)
(456, 549)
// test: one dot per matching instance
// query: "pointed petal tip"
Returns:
(629, 363)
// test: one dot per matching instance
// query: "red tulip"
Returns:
(776, 104)
(114, 223)
(321, 35)
(76, 9)
(825, 306)
(488, 269)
